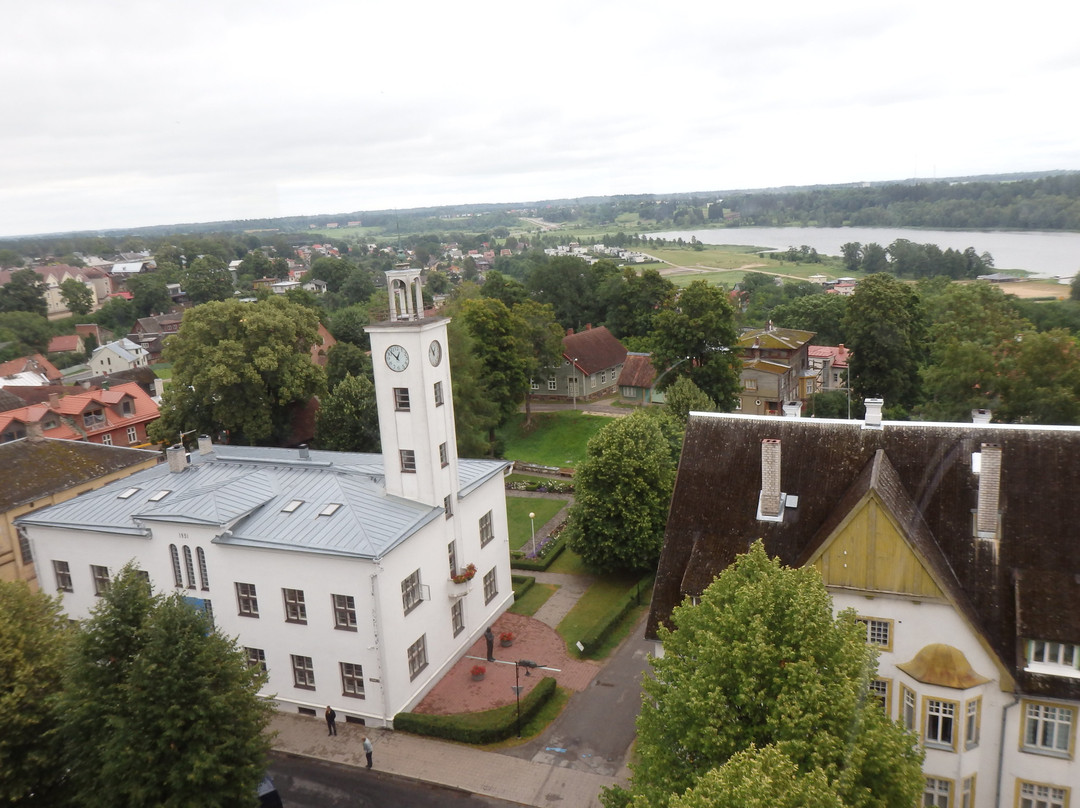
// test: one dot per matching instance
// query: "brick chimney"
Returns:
(770, 503)
(986, 518)
(206, 446)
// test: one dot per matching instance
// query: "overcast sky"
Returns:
(123, 114)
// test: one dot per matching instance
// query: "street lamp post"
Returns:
(573, 379)
(532, 524)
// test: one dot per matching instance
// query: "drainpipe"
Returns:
(1001, 749)
(380, 650)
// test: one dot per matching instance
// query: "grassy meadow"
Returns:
(554, 438)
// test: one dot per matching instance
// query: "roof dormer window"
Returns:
(330, 509)
(160, 495)
(1053, 658)
(292, 506)
(127, 493)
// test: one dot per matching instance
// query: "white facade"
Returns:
(352, 605)
(122, 354)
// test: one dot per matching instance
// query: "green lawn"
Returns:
(601, 599)
(517, 513)
(554, 439)
(532, 600)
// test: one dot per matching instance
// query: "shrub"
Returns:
(596, 635)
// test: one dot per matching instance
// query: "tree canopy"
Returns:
(77, 297)
(240, 368)
(762, 662)
(25, 291)
(348, 418)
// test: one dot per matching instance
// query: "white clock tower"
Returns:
(412, 391)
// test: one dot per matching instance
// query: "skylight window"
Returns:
(160, 495)
(292, 506)
(330, 509)
(127, 493)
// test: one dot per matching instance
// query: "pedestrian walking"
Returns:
(489, 635)
(368, 750)
(331, 717)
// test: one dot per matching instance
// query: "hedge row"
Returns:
(521, 584)
(596, 636)
(540, 564)
(489, 726)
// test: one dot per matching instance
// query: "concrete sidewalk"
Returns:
(447, 764)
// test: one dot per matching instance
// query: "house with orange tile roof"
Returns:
(115, 417)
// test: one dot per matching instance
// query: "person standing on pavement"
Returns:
(368, 750)
(331, 717)
(489, 635)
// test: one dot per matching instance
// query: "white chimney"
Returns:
(792, 409)
(206, 446)
(873, 412)
(770, 504)
(980, 416)
(304, 453)
(986, 518)
(177, 457)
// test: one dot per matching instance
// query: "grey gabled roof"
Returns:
(245, 491)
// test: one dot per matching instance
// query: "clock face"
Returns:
(434, 352)
(397, 358)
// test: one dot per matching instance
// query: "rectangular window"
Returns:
(451, 556)
(880, 690)
(487, 532)
(106, 439)
(303, 672)
(553, 383)
(93, 418)
(352, 680)
(256, 658)
(127, 408)
(448, 505)
(534, 384)
(444, 455)
(593, 381)
(408, 460)
(750, 384)
(204, 577)
(174, 553)
(401, 399)
(491, 586)
(417, 657)
(189, 567)
(972, 719)
(967, 792)
(878, 632)
(63, 576)
(603, 377)
(1047, 728)
(100, 575)
(411, 596)
(438, 394)
(937, 793)
(295, 608)
(344, 612)
(939, 724)
(457, 617)
(907, 697)
(1038, 795)
(246, 600)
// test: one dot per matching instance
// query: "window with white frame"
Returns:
(303, 672)
(448, 505)
(178, 575)
(907, 697)
(417, 656)
(1048, 727)
(592, 380)
(295, 607)
(937, 792)
(939, 727)
(457, 617)
(204, 576)
(444, 455)
(534, 384)
(491, 586)
(972, 720)
(344, 612)
(106, 439)
(451, 557)
(1053, 658)
(256, 658)
(603, 377)
(401, 399)
(62, 571)
(438, 394)
(1040, 795)
(100, 576)
(408, 460)
(878, 632)
(352, 680)
(879, 689)
(247, 603)
(189, 567)
(411, 594)
(487, 531)
(553, 383)
(133, 434)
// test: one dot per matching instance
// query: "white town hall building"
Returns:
(336, 571)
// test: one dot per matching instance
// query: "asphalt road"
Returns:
(305, 783)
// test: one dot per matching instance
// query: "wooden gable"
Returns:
(869, 551)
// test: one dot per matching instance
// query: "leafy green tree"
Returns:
(149, 294)
(541, 340)
(823, 314)
(77, 297)
(509, 290)
(335, 271)
(695, 337)
(207, 279)
(346, 359)
(851, 252)
(117, 314)
(33, 639)
(255, 265)
(622, 492)
(476, 415)
(240, 368)
(1040, 379)
(874, 258)
(886, 333)
(348, 419)
(348, 324)
(30, 332)
(10, 258)
(160, 708)
(684, 397)
(25, 291)
(359, 286)
(504, 358)
(1074, 287)
(634, 299)
(761, 661)
(572, 287)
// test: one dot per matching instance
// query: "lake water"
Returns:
(1044, 253)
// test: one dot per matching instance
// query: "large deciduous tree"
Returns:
(77, 297)
(498, 342)
(33, 641)
(761, 661)
(694, 337)
(207, 278)
(885, 328)
(24, 291)
(541, 341)
(348, 418)
(622, 491)
(240, 368)
(160, 708)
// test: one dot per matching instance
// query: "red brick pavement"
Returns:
(533, 640)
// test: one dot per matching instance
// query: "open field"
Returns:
(1039, 288)
(555, 438)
